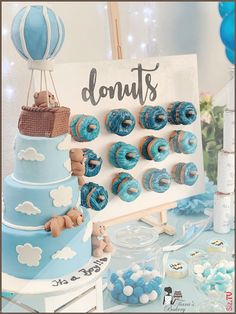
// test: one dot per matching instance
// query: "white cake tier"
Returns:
(42, 159)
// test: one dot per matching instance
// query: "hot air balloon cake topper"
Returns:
(38, 35)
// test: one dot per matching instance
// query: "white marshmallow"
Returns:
(110, 286)
(198, 269)
(135, 268)
(144, 298)
(153, 295)
(119, 273)
(128, 290)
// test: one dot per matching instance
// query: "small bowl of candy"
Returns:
(214, 280)
(135, 285)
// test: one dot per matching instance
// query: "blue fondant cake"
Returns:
(40, 188)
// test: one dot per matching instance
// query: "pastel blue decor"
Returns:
(196, 204)
(225, 7)
(48, 164)
(230, 55)
(227, 31)
(50, 263)
(37, 33)
(15, 193)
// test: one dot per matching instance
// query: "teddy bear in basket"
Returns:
(44, 99)
(101, 242)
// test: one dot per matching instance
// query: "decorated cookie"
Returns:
(156, 180)
(183, 142)
(94, 196)
(195, 254)
(120, 122)
(176, 269)
(92, 162)
(154, 118)
(122, 155)
(185, 173)
(217, 245)
(154, 148)
(126, 187)
(84, 128)
(181, 113)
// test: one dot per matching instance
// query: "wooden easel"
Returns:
(159, 214)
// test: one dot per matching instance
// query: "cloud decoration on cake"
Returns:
(28, 208)
(62, 196)
(31, 154)
(198, 203)
(88, 231)
(67, 165)
(65, 144)
(29, 255)
(66, 253)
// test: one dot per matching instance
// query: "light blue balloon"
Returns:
(37, 33)
(227, 31)
(230, 55)
(225, 8)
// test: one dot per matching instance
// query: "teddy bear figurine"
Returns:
(40, 99)
(76, 216)
(77, 164)
(57, 224)
(101, 242)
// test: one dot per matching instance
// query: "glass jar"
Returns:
(136, 271)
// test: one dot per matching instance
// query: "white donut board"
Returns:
(176, 79)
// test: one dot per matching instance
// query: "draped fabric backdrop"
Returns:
(148, 29)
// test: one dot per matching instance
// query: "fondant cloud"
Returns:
(62, 196)
(28, 254)
(88, 231)
(31, 154)
(66, 253)
(28, 208)
(65, 144)
(67, 165)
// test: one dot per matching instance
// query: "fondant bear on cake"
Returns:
(100, 240)
(76, 216)
(40, 99)
(77, 164)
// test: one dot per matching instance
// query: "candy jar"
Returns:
(135, 274)
(214, 280)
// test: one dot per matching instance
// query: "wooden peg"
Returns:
(132, 190)
(165, 181)
(131, 155)
(162, 148)
(193, 173)
(92, 126)
(101, 197)
(95, 162)
(129, 122)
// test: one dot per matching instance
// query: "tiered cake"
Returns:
(40, 188)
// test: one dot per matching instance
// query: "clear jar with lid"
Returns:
(136, 270)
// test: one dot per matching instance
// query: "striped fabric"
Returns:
(37, 33)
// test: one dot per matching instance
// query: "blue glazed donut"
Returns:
(154, 118)
(158, 149)
(183, 142)
(122, 155)
(94, 196)
(84, 128)
(181, 113)
(171, 112)
(186, 113)
(117, 180)
(144, 145)
(157, 180)
(120, 122)
(92, 163)
(126, 187)
(185, 173)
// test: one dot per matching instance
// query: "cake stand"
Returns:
(80, 291)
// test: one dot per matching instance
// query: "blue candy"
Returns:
(132, 299)
(138, 291)
(122, 298)
(205, 287)
(129, 282)
(148, 288)
(158, 290)
(114, 294)
(206, 272)
(118, 281)
(158, 280)
(127, 274)
(221, 270)
(148, 267)
(113, 277)
(118, 288)
(154, 284)
(140, 282)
